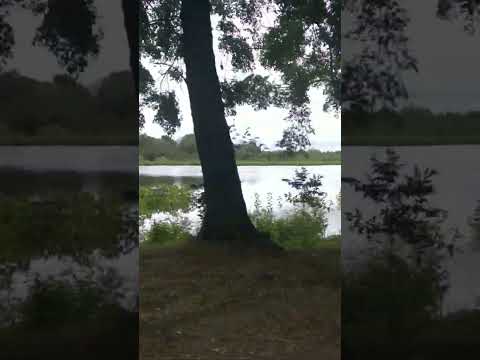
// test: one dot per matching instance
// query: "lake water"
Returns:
(457, 191)
(71, 158)
(37, 171)
(261, 180)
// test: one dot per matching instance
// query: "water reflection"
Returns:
(76, 231)
(455, 190)
(261, 180)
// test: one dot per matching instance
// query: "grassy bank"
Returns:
(203, 303)
(244, 163)
(167, 151)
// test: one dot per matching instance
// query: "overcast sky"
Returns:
(39, 63)
(449, 76)
(448, 60)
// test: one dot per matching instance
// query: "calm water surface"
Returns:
(457, 191)
(261, 180)
(95, 169)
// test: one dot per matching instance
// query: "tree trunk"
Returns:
(226, 219)
(130, 18)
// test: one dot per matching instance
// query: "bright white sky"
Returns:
(268, 124)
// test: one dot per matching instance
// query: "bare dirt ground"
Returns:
(202, 303)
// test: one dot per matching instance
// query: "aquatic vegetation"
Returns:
(304, 226)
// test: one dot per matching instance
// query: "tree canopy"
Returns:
(302, 45)
(68, 29)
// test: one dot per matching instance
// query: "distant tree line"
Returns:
(185, 148)
(412, 124)
(63, 109)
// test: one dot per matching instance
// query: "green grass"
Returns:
(265, 158)
(330, 242)
(163, 238)
(299, 231)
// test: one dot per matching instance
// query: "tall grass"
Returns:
(299, 229)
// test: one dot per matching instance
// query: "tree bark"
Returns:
(130, 19)
(226, 219)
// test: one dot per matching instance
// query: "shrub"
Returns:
(305, 225)
(167, 233)
(299, 229)
(165, 198)
(388, 302)
(307, 194)
(170, 200)
(56, 302)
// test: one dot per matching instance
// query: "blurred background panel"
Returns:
(66, 74)
(409, 179)
(68, 180)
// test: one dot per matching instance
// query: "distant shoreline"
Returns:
(244, 163)
(409, 140)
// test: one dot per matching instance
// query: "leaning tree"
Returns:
(302, 46)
